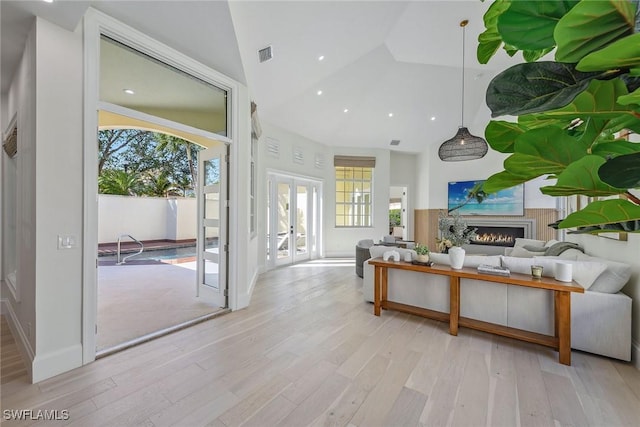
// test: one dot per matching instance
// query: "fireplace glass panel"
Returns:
(498, 236)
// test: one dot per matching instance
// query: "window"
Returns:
(354, 196)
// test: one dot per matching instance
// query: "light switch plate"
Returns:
(67, 242)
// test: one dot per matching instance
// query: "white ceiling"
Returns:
(381, 57)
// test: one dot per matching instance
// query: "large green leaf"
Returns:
(501, 181)
(581, 177)
(623, 53)
(534, 55)
(603, 212)
(615, 148)
(553, 147)
(490, 40)
(536, 87)
(501, 135)
(616, 227)
(622, 171)
(592, 25)
(529, 25)
(632, 98)
(598, 101)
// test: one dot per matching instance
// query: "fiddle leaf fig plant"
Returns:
(573, 113)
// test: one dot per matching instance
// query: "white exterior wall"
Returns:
(146, 218)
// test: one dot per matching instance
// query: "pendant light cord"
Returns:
(463, 24)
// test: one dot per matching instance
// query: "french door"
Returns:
(212, 226)
(293, 222)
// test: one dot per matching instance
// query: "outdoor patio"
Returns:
(140, 298)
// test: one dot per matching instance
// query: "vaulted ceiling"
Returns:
(380, 58)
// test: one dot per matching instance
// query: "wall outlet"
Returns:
(67, 242)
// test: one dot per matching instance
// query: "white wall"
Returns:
(337, 242)
(403, 174)
(21, 99)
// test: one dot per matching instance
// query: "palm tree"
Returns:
(119, 182)
(174, 144)
(159, 185)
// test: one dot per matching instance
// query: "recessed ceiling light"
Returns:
(390, 114)
(48, 1)
(128, 91)
(319, 92)
(320, 58)
(433, 118)
(346, 110)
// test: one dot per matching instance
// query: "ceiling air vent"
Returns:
(395, 142)
(265, 54)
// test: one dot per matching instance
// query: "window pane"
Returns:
(353, 197)
(193, 102)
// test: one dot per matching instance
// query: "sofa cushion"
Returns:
(584, 272)
(472, 261)
(523, 265)
(613, 279)
(523, 252)
(521, 242)
(365, 243)
(379, 250)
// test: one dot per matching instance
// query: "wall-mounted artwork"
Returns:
(462, 197)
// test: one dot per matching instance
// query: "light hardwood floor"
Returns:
(309, 351)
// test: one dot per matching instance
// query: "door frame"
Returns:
(96, 24)
(206, 292)
(314, 216)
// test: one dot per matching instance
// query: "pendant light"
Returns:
(463, 146)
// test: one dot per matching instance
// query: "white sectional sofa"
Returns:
(600, 318)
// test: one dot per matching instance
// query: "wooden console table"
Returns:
(561, 341)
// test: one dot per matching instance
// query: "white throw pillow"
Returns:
(520, 252)
(378, 251)
(520, 242)
(438, 258)
(614, 277)
(523, 265)
(471, 261)
(584, 273)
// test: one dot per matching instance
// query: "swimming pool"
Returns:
(155, 254)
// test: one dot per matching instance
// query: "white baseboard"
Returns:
(56, 362)
(350, 254)
(24, 347)
(635, 353)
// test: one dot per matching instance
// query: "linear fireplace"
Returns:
(496, 234)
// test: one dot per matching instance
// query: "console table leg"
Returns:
(376, 290)
(384, 287)
(454, 304)
(563, 326)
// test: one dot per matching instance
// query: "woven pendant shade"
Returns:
(463, 146)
